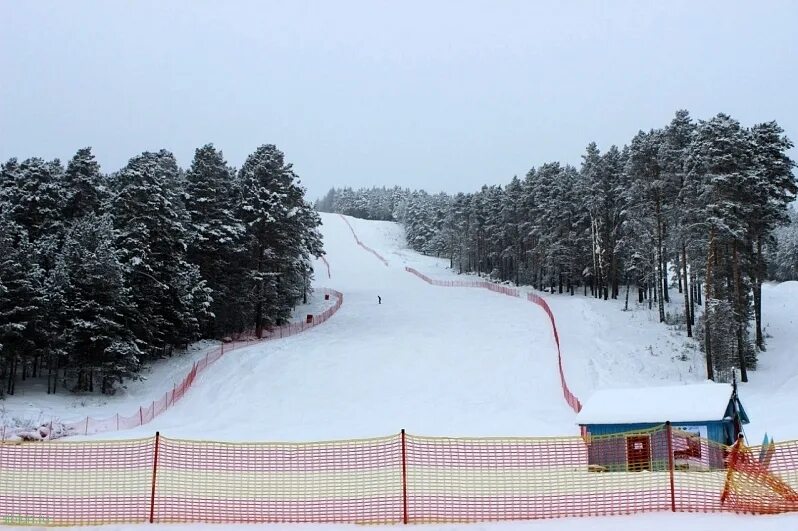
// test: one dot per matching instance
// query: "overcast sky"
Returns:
(441, 95)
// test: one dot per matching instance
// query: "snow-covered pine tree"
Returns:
(97, 307)
(22, 303)
(648, 199)
(279, 228)
(772, 187)
(720, 157)
(169, 298)
(782, 251)
(683, 216)
(35, 197)
(216, 244)
(85, 188)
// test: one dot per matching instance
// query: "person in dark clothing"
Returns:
(379, 299)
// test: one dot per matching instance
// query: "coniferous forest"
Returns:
(699, 208)
(100, 274)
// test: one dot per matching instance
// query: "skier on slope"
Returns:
(379, 299)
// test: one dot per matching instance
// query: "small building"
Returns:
(623, 427)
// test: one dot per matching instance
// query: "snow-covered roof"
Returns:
(677, 403)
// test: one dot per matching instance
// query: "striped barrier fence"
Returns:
(401, 478)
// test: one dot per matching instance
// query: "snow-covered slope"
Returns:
(438, 361)
(430, 360)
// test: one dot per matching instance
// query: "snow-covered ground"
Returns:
(445, 361)
(650, 522)
(32, 406)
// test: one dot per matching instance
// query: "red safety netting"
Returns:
(400, 478)
(146, 413)
(570, 398)
(363, 245)
(326, 263)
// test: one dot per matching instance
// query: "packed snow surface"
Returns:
(435, 361)
(649, 522)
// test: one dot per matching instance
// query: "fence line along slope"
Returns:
(448, 362)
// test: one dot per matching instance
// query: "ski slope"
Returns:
(431, 360)
(451, 361)
(436, 361)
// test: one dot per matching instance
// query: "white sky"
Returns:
(440, 95)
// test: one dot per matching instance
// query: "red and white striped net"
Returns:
(391, 479)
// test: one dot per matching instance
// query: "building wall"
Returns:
(610, 452)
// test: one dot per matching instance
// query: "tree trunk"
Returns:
(707, 311)
(686, 292)
(739, 313)
(660, 259)
(759, 268)
(626, 306)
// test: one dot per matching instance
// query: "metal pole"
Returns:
(154, 475)
(404, 476)
(669, 434)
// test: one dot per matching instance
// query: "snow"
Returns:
(436, 361)
(446, 361)
(680, 403)
(650, 522)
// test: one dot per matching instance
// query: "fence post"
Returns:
(141, 416)
(669, 435)
(404, 477)
(117, 422)
(86, 431)
(154, 475)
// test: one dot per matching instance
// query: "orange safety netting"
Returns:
(400, 478)
(146, 413)
(570, 398)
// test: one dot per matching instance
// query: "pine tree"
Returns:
(98, 307)
(280, 229)
(770, 189)
(85, 189)
(216, 243)
(22, 302)
(721, 157)
(151, 235)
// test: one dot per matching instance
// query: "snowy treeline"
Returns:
(101, 273)
(691, 206)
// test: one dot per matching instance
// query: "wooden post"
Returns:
(154, 475)
(669, 434)
(404, 476)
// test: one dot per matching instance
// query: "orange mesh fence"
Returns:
(570, 398)
(146, 413)
(363, 245)
(762, 479)
(327, 264)
(76, 483)
(400, 478)
(327, 482)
